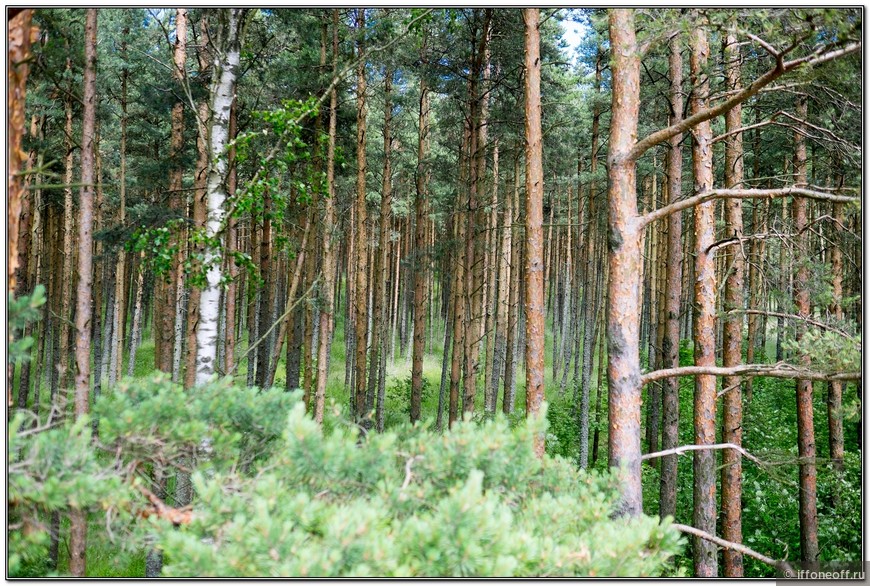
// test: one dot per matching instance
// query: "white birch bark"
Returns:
(226, 66)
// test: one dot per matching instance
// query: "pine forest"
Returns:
(434, 292)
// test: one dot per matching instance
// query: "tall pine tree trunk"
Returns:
(78, 518)
(673, 293)
(732, 416)
(421, 274)
(381, 269)
(360, 302)
(623, 328)
(809, 522)
(704, 461)
(534, 275)
(327, 311)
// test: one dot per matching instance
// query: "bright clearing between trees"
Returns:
(434, 292)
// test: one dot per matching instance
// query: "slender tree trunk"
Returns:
(309, 275)
(654, 396)
(458, 291)
(589, 314)
(704, 511)
(266, 296)
(199, 219)
(490, 391)
(421, 274)
(382, 271)
(78, 518)
(232, 245)
(783, 280)
(835, 388)
(602, 354)
(589, 297)
(137, 316)
(510, 367)
(68, 228)
(732, 417)
(673, 293)
(361, 286)
(223, 89)
(505, 275)
(119, 315)
(809, 522)
(445, 358)
(534, 298)
(327, 311)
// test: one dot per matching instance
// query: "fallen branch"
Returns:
(164, 511)
(779, 564)
(778, 370)
(679, 451)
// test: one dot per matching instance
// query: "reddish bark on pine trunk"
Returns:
(534, 223)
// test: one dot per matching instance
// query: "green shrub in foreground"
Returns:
(277, 497)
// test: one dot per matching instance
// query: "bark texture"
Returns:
(78, 518)
(624, 240)
(223, 89)
(673, 291)
(534, 269)
(809, 522)
(420, 260)
(732, 416)
(704, 330)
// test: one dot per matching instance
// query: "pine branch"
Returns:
(781, 68)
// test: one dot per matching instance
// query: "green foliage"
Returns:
(398, 399)
(276, 496)
(52, 469)
(21, 312)
(156, 243)
(563, 434)
(152, 420)
(410, 503)
(828, 351)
